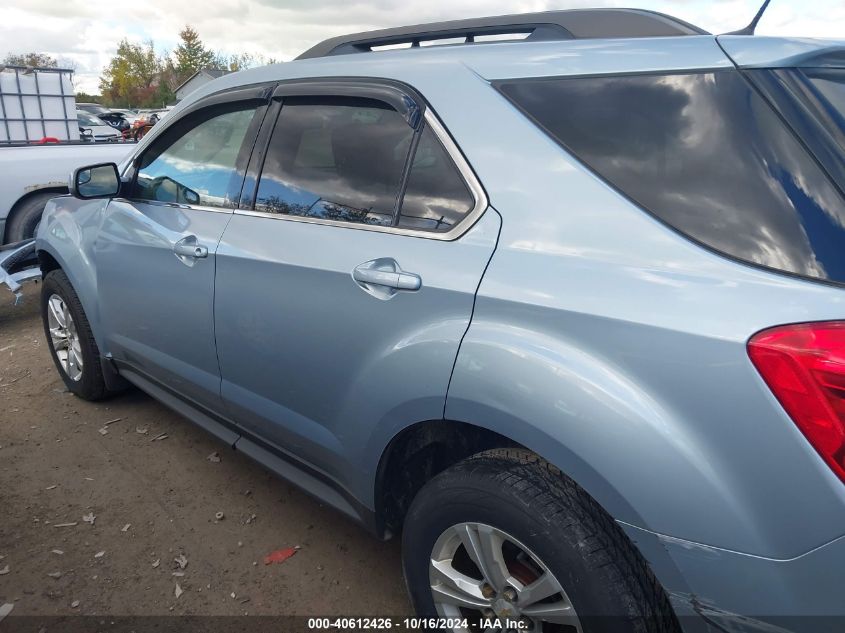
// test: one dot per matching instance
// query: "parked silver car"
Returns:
(566, 312)
(96, 129)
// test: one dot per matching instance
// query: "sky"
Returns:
(87, 32)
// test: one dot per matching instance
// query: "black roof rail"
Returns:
(547, 25)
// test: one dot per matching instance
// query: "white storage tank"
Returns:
(37, 103)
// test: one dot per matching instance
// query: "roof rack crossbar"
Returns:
(543, 26)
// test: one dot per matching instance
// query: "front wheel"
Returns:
(503, 538)
(69, 337)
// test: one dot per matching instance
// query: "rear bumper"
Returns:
(713, 589)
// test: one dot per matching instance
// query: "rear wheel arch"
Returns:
(420, 452)
(417, 454)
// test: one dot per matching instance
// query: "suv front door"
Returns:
(156, 247)
(344, 288)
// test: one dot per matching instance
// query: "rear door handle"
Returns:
(383, 278)
(399, 280)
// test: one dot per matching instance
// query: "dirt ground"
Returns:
(57, 466)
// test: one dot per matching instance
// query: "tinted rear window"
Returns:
(704, 153)
(336, 159)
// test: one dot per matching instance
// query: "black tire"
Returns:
(607, 581)
(91, 385)
(26, 215)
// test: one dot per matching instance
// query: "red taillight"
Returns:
(804, 366)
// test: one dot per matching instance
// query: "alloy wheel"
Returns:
(64, 337)
(478, 571)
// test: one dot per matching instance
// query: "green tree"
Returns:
(238, 62)
(38, 60)
(168, 74)
(241, 61)
(191, 54)
(133, 77)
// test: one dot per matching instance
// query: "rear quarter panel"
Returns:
(616, 349)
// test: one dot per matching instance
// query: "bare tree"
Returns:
(36, 60)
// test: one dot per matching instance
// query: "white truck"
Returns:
(39, 145)
(32, 174)
(29, 176)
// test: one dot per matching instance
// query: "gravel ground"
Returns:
(63, 460)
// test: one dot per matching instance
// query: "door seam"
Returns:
(472, 311)
(214, 309)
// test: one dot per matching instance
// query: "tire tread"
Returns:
(562, 504)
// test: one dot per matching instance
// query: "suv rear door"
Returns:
(347, 278)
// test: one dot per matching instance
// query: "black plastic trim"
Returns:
(401, 97)
(259, 151)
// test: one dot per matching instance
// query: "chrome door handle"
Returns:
(409, 281)
(185, 248)
(383, 278)
(399, 281)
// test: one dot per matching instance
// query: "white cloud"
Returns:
(88, 33)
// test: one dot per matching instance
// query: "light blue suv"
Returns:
(567, 310)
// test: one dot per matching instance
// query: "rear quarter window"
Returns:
(704, 153)
(830, 82)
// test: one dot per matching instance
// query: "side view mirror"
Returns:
(95, 181)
